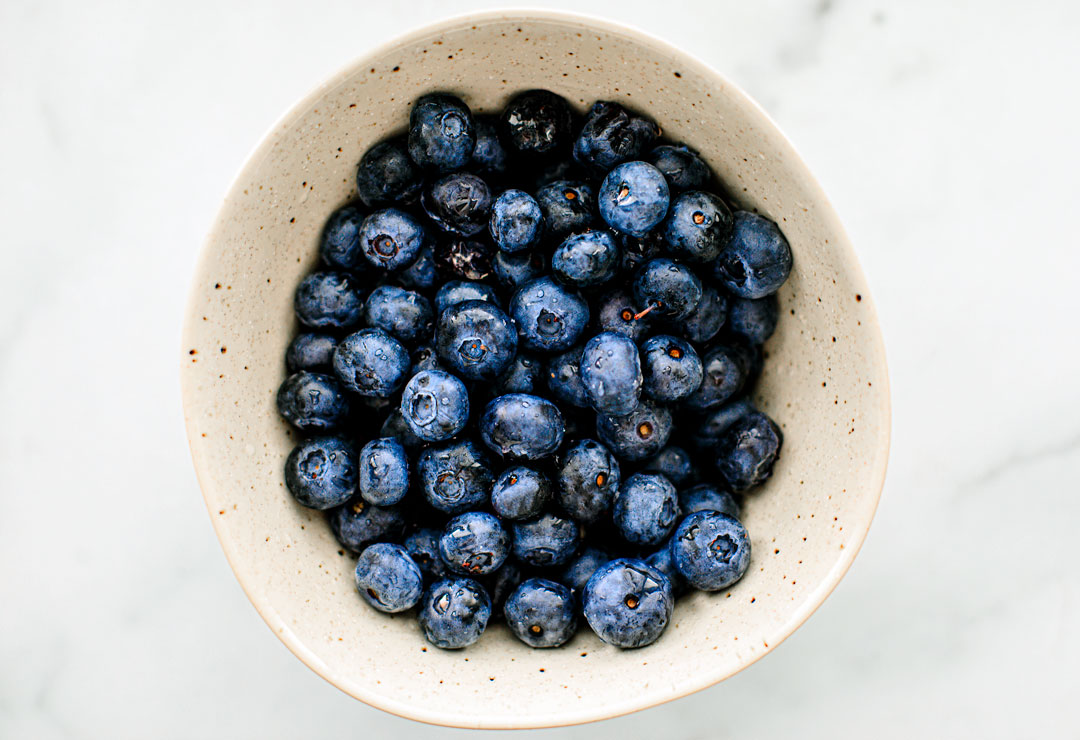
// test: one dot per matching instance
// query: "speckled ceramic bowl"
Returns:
(825, 382)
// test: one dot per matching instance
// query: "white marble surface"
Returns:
(946, 137)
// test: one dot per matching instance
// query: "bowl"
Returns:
(825, 381)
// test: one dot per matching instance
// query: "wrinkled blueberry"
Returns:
(388, 579)
(537, 122)
(454, 612)
(329, 300)
(463, 258)
(474, 543)
(320, 472)
(458, 203)
(747, 451)
(611, 135)
(435, 405)
(455, 477)
(516, 222)
(384, 471)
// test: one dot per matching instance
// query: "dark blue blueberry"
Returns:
(320, 472)
(585, 259)
(668, 288)
(683, 167)
(663, 562)
(458, 203)
(646, 508)
(567, 205)
(357, 524)
(711, 550)
(548, 540)
(310, 351)
(476, 340)
(634, 198)
(628, 603)
(392, 239)
(453, 292)
(423, 547)
(371, 363)
(313, 402)
(564, 378)
(525, 375)
(724, 375)
(388, 579)
(463, 258)
(339, 245)
(611, 373)
(673, 462)
(549, 317)
(442, 135)
(421, 274)
(435, 405)
(636, 251)
(384, 471)
(553, 170)
(474, 544)
(387, 175)
(671, 368)
(754, 319)
(455, 477)
(501, 584)
(713, 425)
(587, 480)
(329, 300)
(611, 135)
(756, 260)
(520, 493)
(638, 435)
(521, 426)
(424, 358)
(516, 223)
(578, 572)
(537, 123)
(697, 227)
(708, 318)
(541, 613)
(617, 313)
(454, 612)
(747, 451)
(707, 497)
(395, 426)
(403, 314)
(514, 270)
(751, 357)
(488, 157)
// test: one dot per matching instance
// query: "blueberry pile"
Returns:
(524, 376)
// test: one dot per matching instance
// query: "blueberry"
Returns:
(585, 259)
(357, 524)
(674, 463)
(541, 613)
(395, 426)
(618, 314)
(392, 239)
(388, 579)
(371, 363)
(628, 603)
(488, 157)
(751, 357)
(646, 508)
(668, 288)
(724, 375)
(537, 123)
(453, 292)
(578, 572)
(474, 544)
(707, 497)
(553, 170)
(329, 300)
(384, 471)
(611, 135)
(424, 358)
(671, 368)
(747, 451)
(713, 425)
(422, 273)
(516, 222)
(634, 198)
(320, 473)
(564, 378)
(708, 318)
(387, 175)
(611, 373)
(501, 584)
(423, 547)
(683, 167)
(435, 405)
(455, 477)
(525, 375)
(520, 493)
(313, 402)
(549, 540)
(458, 203)
(442, 135)
(549, 317)
(754, 319)
(636, 251)
(454, 612)
(514, 270)
(638, 435)
(476, 340)
(711, 550)
(567, 206)
(521, 426)
(663, 562)
(697, 226)
(587, 480)
(310, 351)
(403, 314)
(339, 244)
(756, 260)
(463, 258)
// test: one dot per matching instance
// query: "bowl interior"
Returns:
(825, 382)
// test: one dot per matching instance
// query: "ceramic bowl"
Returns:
(825, 382)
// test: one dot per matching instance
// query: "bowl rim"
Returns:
(704, 680)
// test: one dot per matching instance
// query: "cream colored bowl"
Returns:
(825, 382)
